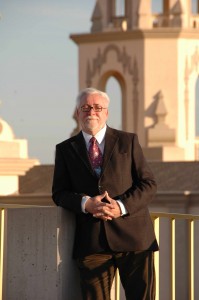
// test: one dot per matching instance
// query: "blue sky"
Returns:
(39, 69)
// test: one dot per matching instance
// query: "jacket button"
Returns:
(100, 187)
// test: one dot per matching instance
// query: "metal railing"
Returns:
(156, 217)
(191, 219)
(171, 217)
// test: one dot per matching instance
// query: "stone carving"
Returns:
(194, 61)
(101, 58)
(95, 67)
(160, 133)
(96, 19)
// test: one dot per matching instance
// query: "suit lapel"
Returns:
(111, 139)
(80, 148)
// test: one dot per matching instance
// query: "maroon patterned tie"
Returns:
(95, 155)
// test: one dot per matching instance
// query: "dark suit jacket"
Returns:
(125, 175)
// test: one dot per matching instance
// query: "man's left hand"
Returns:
(105, 212)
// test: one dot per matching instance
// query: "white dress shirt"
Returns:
(100, 137)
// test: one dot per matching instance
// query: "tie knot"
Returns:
(93, 140)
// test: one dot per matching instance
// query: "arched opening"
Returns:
(197, 109)
(113, 89)
(194, 7)
(157, 6)
(119, 8)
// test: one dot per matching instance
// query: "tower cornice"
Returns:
(155, 33)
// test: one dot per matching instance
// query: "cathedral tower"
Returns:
(155, 60)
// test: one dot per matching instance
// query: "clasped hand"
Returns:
(103, 210)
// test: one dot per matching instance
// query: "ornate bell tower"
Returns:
(155, 60)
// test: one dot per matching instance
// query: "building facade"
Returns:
(155, 60)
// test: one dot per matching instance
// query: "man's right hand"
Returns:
(100, 209)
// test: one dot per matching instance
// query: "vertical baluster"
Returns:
(117, 285)
(173, 263)
(156, 223)
(1, 250)
(191, 259)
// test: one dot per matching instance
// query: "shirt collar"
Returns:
(99, 136)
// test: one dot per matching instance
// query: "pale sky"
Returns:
(39, 69)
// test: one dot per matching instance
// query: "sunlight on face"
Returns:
(93, 121)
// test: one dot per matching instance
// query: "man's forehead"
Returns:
(97, 99)
(94, 104)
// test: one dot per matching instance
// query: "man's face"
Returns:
(92, 121)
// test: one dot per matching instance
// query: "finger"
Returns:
(103, 195)
(103, 215)
(107, 218)
(104, 207)
(108, 212)
(104, 218)
(99, 214)
(109, 198)
(100, 204)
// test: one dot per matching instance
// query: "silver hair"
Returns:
(91, 91)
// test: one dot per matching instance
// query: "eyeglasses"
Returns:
(95, 107)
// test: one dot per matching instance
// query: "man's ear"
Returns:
(76, 112)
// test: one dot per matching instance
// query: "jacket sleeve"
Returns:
(143, 188)
(62, 193)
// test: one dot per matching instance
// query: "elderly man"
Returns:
(102, 176)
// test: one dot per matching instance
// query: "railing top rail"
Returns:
(3, 206)
(27, 195)
(174, 216)
(27, 200)
(154, 215)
